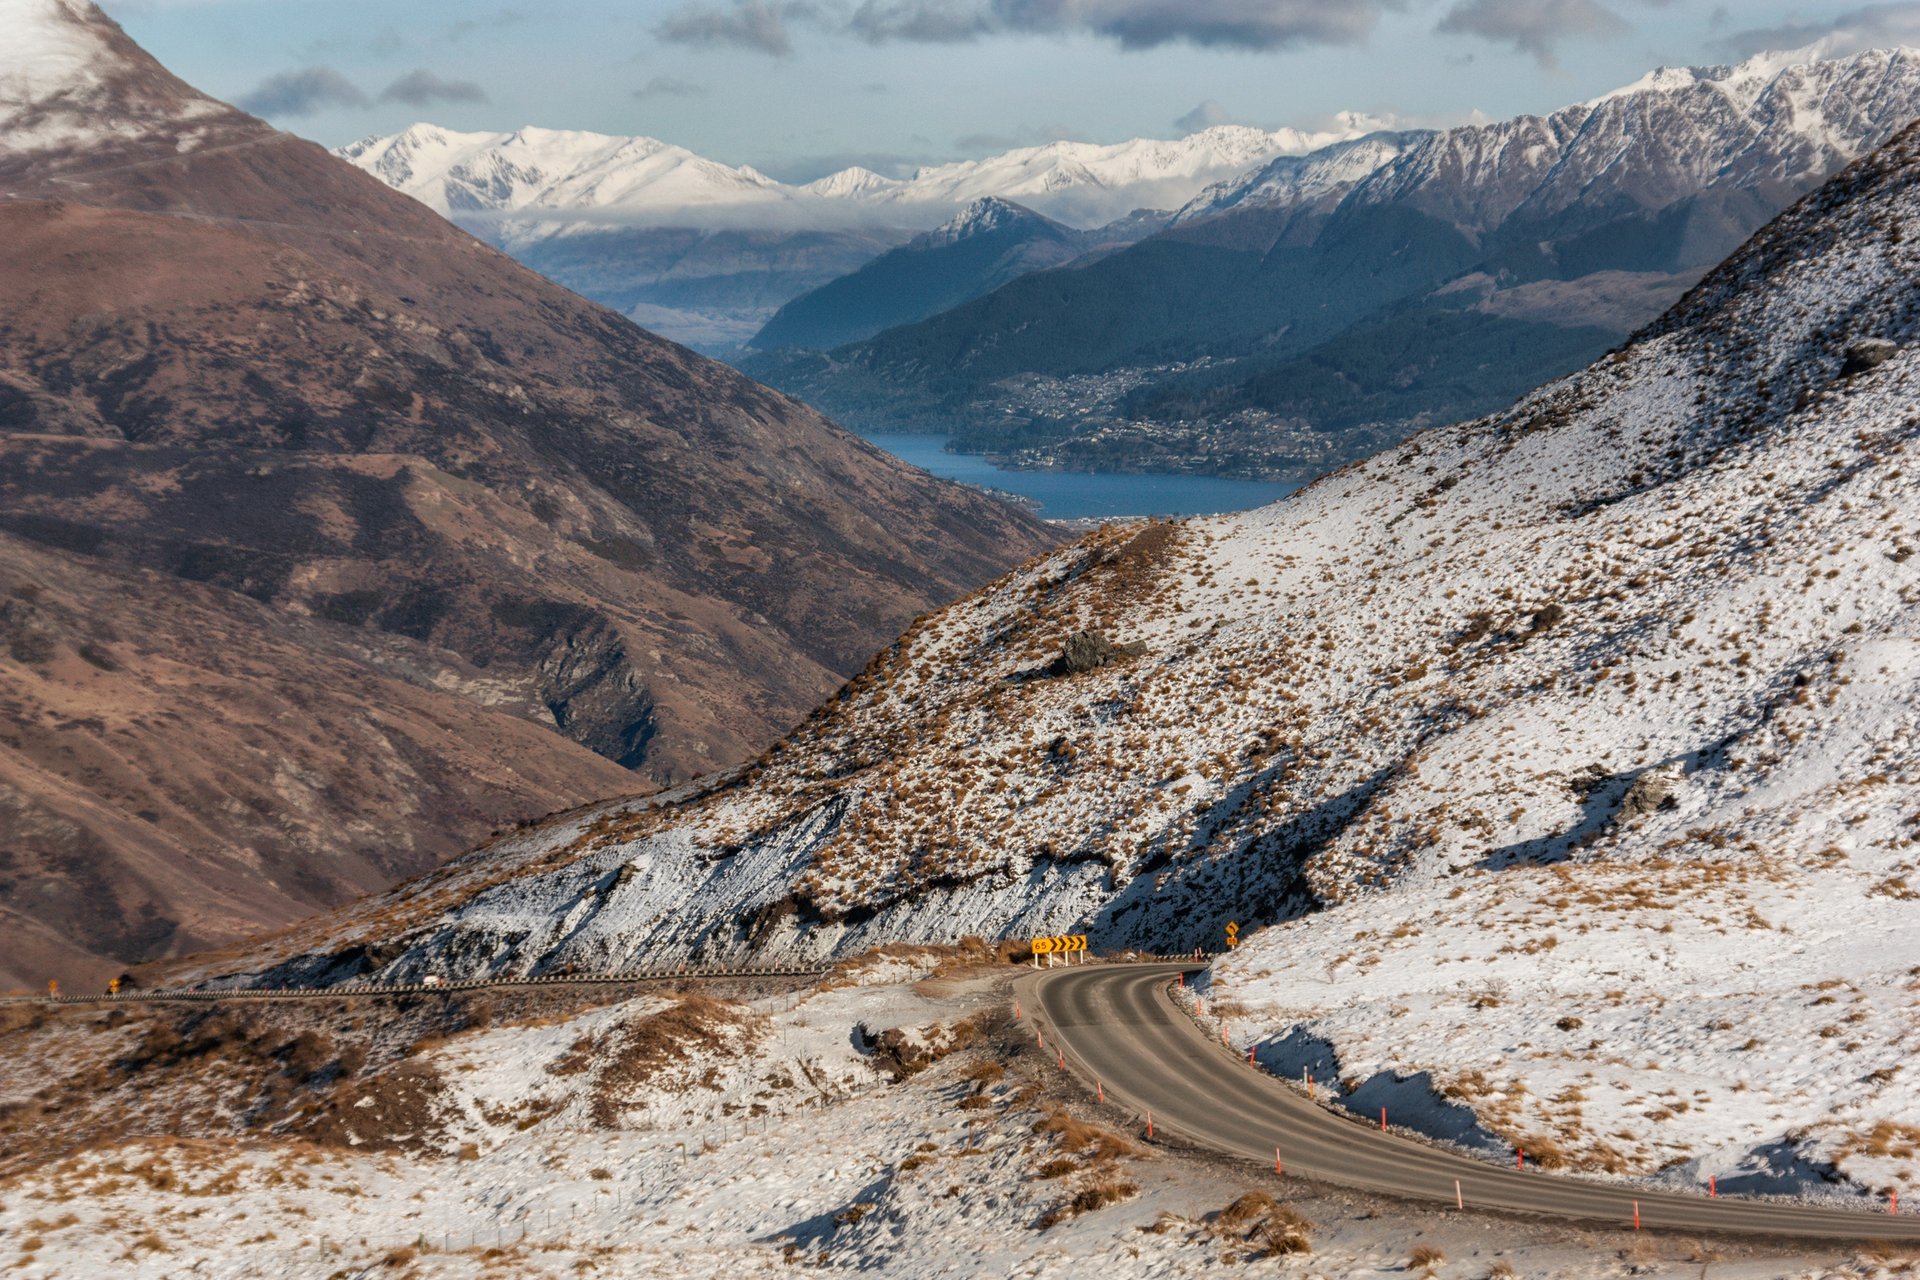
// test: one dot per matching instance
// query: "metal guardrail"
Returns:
(366, 989)
(369, 989)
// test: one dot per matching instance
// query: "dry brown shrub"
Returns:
(1249, 1208)
(1097, 1195)
(402, 1108)
(1425, 1258)
(1059, 1167)
(1257, 1218)
(982, 1074)
(644, 1047)
(1098, 1142)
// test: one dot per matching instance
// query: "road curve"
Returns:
(1118, 1025)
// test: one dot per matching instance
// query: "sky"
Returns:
(800, 88)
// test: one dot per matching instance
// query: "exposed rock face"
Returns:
(372, 454)
(1651, 792)
(1089, 651)
(1870, 354)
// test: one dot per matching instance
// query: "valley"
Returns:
(1336, 699)
(335, 540)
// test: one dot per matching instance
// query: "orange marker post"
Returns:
(1277, 1166)
(1149, 1123)
(1636, 1215)
(1459, 1201)
(1383, 1119)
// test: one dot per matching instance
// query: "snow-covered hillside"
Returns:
(558, 170)
(552, 179)
(66, 83)
(894, 1120)
(1768, 125)
(1628, 671)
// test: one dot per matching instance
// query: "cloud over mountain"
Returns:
(1848, 32)
(423, 88)
(302, 93)
(1133, 24)
(1532, 26)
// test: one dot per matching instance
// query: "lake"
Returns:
(1077, 495)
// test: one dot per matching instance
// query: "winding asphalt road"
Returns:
(1118, 1025)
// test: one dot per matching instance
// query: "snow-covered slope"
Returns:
(1302, 179)
(556, 170)
(71, 80)
(1770, 124)
(1628, 670)
(591, 177)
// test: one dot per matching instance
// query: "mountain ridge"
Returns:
(1606, 705)
(985, 245)
(231, 360)
(1451, 264)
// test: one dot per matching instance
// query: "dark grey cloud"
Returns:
(1243, 24)
(670, 87)
(1848, 32)
(1133, 24)
(302, 93)
(1533, 26)
(1205, 116)
(747, 24)
(422, 88)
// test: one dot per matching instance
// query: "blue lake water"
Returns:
(1076, 495)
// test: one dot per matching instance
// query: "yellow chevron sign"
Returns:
(1059, 945)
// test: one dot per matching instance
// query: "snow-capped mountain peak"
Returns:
(1777, 119)
(558, 174)
(851, 184)
(51, 47)
(984, 216)
(71, 80)
(553, 172)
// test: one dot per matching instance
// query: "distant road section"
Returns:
(1117, 1024)
(398, 990)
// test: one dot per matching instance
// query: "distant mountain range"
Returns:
(541, 181)
(707, 253)
(989, 243)
(332, 539)
(1329, 302)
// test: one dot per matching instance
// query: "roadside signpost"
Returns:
(1059, 945)
(1233, 934)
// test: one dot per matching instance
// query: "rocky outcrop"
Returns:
(1089, 651)
(1867, 355)
(1652, 791)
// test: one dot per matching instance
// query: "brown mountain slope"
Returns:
(230, 360)
(180, 764)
